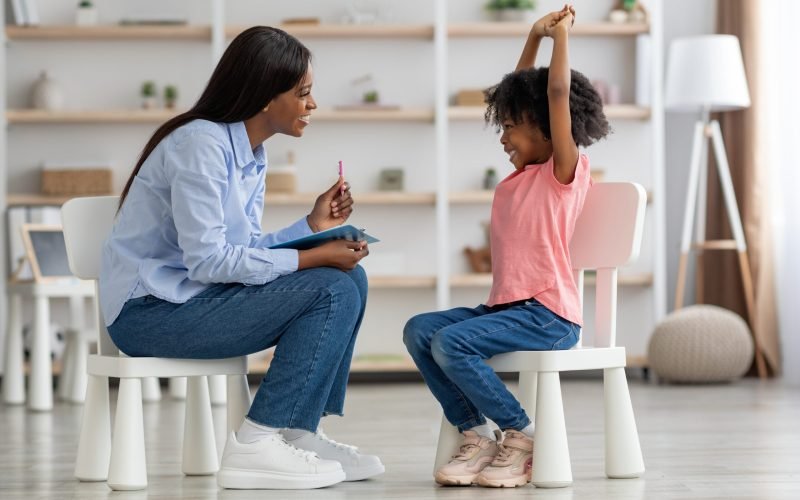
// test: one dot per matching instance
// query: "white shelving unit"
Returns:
(438, 197)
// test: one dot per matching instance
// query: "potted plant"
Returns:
(86, 14)
(148, 95)
(512, 10)
(170, 96)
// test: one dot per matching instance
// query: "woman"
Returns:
(186, 272)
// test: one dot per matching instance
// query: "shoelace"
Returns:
(308, 456)
(464, 451)
(353, 450)
(504, 455)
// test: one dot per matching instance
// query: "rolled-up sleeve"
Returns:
(199, 183)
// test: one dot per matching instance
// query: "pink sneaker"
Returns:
(513, 465)
(475, 453)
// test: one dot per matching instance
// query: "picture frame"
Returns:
(46, 253)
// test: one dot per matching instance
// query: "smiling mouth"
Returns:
(305, 119)
(511, 155)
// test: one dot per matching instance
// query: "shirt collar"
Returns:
(244, 155)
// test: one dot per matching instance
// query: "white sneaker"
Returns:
(272, 463)
(357, 466)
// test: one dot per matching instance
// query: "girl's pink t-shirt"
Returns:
(533, 218)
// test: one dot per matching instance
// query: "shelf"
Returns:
(414, 31)
(422, 31)
(617, 111)
(498, 29)
(485, 279)
(31, 116)
(465, 197)
(109, 32)
(23, 116)
(35, 200)
(366, 115)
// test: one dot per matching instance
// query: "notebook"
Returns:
(347, 232)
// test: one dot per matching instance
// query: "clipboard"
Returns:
(348, 232)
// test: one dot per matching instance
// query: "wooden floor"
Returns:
(728, 441)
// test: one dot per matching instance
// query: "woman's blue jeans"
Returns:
(450, 349)
(311, 317)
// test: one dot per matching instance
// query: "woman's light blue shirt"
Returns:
(193, 217)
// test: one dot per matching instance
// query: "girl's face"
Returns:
(524, 143)
(290, 112)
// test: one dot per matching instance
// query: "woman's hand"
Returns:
(332, 207)
(341, 254)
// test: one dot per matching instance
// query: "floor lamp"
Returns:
(705, 74)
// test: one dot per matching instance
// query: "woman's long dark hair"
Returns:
(259, 64)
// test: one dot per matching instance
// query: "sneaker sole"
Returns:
(503, 483)
(361, 473)
(446, 480)
(240, 479)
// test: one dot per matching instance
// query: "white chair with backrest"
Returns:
(608, 235)
(121, 461)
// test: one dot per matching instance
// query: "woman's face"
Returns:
(290, 112)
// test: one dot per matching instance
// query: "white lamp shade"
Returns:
(706, 71)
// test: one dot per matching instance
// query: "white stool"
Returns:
(40, 383)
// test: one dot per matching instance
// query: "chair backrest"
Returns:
(608, 235)
(87, 223)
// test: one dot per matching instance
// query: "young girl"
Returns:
(533, 304)
(187, 273)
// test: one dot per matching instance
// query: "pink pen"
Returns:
(341, 174)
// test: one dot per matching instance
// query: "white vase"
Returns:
(46, 94)
(86, 16)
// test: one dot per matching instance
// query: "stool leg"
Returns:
(449, 439)
(94, 445)
(13, 376)
(623, 452)
(128, 467)
(151, 390)
(65, 379)
(551, 466)
(73, 387)
(199, 445)
(40, 390)
(77, 389)
(217, 389)
(238, 401)
(177, 387)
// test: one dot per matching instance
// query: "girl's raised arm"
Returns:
(565, 151)
(539, 30)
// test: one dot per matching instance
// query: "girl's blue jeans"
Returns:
(311, 317)
(450, 349)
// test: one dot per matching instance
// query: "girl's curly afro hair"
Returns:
(522, 95)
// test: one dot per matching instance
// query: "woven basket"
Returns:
(63, 182)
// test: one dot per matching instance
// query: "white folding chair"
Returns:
(607, 236)
(121, 462)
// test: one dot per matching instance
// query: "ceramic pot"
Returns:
(46, 94)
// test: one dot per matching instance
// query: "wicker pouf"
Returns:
(701, 343)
